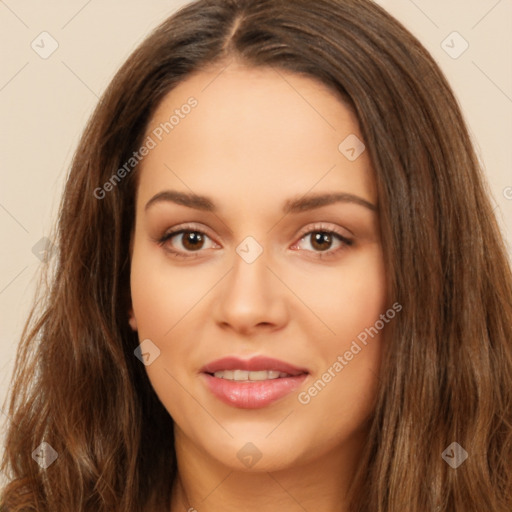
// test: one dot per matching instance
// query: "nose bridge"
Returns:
(250, 295)
(250, 273)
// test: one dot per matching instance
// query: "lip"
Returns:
(254, 364)
(253, 394)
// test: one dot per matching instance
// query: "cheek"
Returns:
(346, 373)
(161, 293)
(166, 301)
(347, 299)
(161, 298)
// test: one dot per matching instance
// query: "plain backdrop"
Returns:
(45, 101)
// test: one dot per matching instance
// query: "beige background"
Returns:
(45, 104)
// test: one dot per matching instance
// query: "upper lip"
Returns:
(253, 364)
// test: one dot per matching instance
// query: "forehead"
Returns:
(258, 133)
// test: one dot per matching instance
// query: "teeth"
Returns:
(240, 375)
(244, 375)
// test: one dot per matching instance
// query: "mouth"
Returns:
(247, 376)
(252, 383)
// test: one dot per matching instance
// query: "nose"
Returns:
(251, 298)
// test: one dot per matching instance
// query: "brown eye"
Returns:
(192, 240)
(323, 243)
(321, 240)
(186, 241)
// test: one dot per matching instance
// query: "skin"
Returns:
(256, 139)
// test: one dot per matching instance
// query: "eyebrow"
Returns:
(301, 204)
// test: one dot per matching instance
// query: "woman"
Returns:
(340, 340)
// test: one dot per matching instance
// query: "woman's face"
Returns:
(265, 310)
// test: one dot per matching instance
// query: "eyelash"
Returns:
(346, 242)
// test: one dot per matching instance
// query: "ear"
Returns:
(132, 320)
(131, 317)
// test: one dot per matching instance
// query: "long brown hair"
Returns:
(447, 372)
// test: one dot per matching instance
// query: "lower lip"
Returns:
(254, 394)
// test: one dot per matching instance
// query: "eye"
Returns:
(185, 240)
(322, 241)
(189, 241)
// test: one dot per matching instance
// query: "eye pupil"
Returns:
(320, 238)
(192, 240)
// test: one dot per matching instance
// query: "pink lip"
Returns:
(254, 364)
(256, 394)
